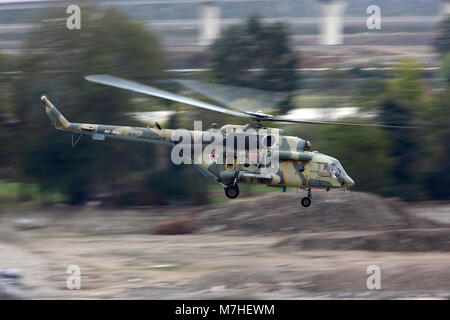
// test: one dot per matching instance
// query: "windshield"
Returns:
(337, 169)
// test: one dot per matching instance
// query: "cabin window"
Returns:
(335, 170)
(324, 169)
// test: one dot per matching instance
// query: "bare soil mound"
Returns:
(282, 213)
(337, 282)
(413, 240)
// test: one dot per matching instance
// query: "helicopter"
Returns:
(251, 153)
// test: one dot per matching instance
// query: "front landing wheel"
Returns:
(306, 202)
(232, 191)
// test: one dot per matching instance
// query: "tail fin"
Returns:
(56, 118)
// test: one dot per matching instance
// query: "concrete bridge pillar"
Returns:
(444, 9)
(332, 22)
(209, 23)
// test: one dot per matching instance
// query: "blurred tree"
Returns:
(179, 183)
(256, 46)
(3, 151)
(445, 68)
(365, 155)
(405, 102)
(406, 87)
(107, 43)
(333, 82)
(370, 94)
(442, 41)
(437, 178)
(402, 101)
(7, 123)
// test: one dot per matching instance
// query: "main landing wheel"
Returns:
(232, 191)
(306, 202)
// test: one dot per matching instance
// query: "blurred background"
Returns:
(328, 64)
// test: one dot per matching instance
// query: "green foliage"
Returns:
(437, 179)
(178, 183)
(406, 87)
(402, 101)
(445, 68)
(13, 192)
(370, 94)
(255, 46)
(405, 103)
(107, 43)
(365, 155)
(4, 133)
(413, 164)
(442, 41)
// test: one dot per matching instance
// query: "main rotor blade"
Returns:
(238, 98)
(148, 90)
(141, 88)
(278, 119)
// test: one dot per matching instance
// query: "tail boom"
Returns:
(99, 131)
(56, 118)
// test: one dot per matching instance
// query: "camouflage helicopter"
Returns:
(242, 161)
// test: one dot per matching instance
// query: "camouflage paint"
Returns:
(297, 166)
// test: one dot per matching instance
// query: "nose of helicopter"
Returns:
(348, 182)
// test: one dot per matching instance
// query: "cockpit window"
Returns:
(337, 168)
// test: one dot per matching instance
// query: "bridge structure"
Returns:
(210, 23)
(444, 8)
(332, 24)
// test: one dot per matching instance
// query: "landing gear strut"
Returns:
(306, 201)
(232, 191)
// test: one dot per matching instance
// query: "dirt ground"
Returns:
(266, 247)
